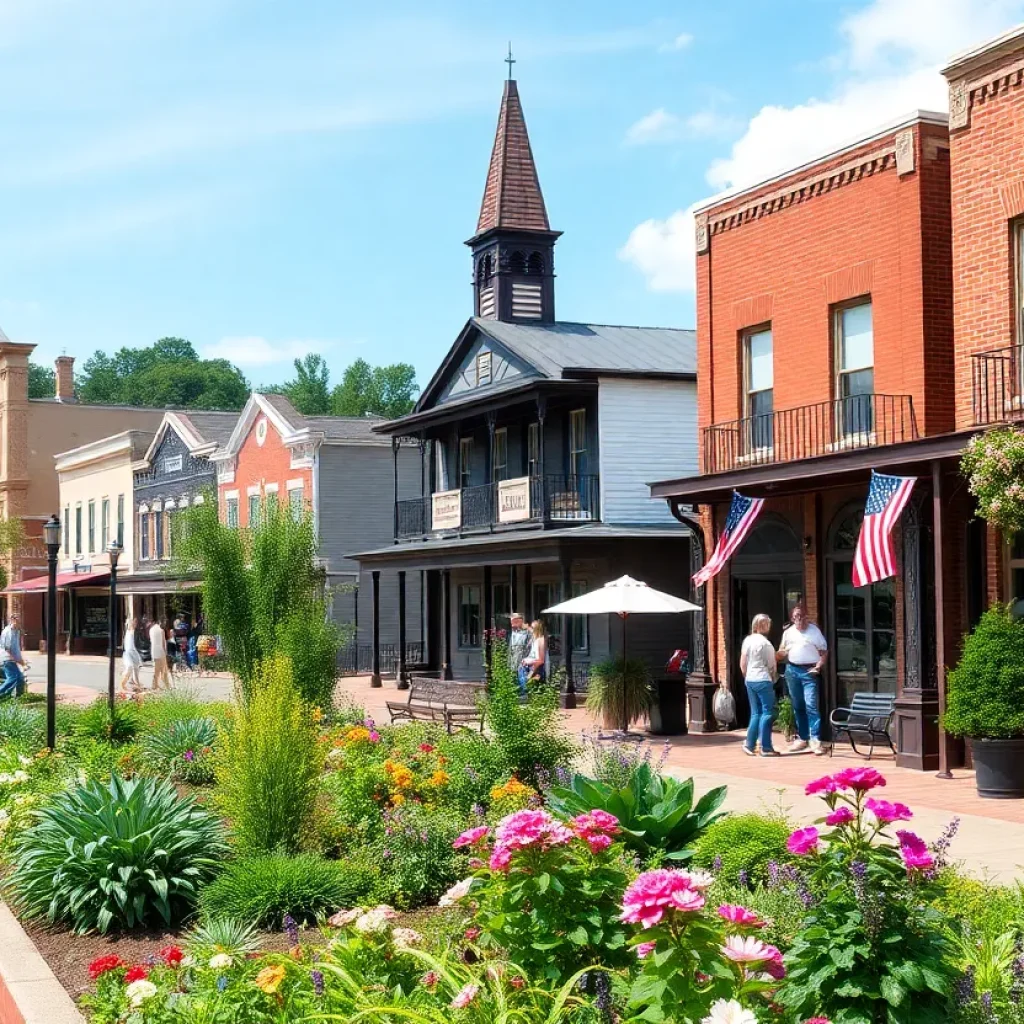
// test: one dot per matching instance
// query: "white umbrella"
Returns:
(623, 597)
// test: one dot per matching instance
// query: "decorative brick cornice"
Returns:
(966, 93)
(801, 190)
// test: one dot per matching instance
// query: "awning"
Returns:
(64, 579)
(154, 586)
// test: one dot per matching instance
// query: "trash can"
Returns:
(668, 710)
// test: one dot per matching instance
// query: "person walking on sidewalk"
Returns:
(131, 660)
(519, 638)
(158, 652)
(11, 659)
(805, 650)
(759, 666)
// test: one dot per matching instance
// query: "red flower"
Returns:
(137, 973)
(171, 955)
(516, 981)
(471, 934)
(426, 748)
(103, 964)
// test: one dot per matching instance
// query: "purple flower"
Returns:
(773, 873)
(291, 929)
(744, 878)
(479, 811)
(387, 853)
(858, 869)
(716, 864)
(318, 982)
(190, 755)
(222, 983)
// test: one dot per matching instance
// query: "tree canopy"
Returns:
(167, 373)
(42, 382)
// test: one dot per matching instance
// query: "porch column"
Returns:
(403, 679)
(395, 445)
(375, 677)
(940, 617)
(542, 408)
(423, 506)
(488, 623)
(569, 697)
(528, 597)
(446, 643)
(513, 589)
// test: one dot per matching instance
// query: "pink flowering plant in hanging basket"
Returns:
(546, 891)
(871, 948)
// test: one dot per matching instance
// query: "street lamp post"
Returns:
(51, 534)
(114, 553)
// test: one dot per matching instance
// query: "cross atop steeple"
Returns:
(510, 60)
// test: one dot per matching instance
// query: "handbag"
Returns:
(724, 706)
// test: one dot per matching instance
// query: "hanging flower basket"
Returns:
(994, 466)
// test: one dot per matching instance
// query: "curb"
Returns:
(29, 991)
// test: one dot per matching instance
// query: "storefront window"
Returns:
(469, 616)
(501, 601)
(91, 616)
(1016, 576)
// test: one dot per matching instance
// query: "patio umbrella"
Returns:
(623, 597)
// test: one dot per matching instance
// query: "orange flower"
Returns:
(439, 778)
(270, 978)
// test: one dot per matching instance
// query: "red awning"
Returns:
(64, 579)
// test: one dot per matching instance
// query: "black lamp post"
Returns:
(114, 553)
(51, 534)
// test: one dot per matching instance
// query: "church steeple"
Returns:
(513, 248)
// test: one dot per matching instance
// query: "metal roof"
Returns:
(210, 427)
(558, 348)
(344, 428)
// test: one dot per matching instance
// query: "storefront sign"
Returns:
(446, 510)
(514, 500)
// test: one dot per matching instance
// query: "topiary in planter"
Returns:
(619, 691)
(985, 697)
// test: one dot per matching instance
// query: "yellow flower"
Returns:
(270, 978)
(357, 734)
(397, 799)
(317, 714)
(439, 778)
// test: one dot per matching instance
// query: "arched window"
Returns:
(535, 264)
(484, 269)
(863, 618)
(517, 262)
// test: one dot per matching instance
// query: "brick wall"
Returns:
(842, 228)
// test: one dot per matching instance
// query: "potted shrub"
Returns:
(785, 719)
(619, 691)
(985, 702)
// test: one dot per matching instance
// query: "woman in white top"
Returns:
(536, 661)
(131, 660)
(758, 664)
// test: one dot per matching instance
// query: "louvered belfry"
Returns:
(514, 246)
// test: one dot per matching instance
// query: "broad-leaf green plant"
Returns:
(657, 813)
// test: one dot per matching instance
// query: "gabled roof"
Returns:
(512, 195)
(202, 432)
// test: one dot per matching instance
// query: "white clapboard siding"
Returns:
(647, 431)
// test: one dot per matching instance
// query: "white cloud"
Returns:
(889, 66)
(254, 350)
(681, 42)
(660, 126)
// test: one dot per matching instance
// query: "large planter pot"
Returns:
(668, 712)
(999, 768)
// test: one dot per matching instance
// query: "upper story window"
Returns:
(759, 388)
(483, 369)
(158, 533)
(67, 530)
(499, 463)
(295, 502)
(465, 461)
(92, 527)
(533, 449)
(855, 369)
(231, 511)
(254, 508)
(120, 519)
(578, 442)
(173, 463)
(104, 524)
(78, 528)
(144, 535)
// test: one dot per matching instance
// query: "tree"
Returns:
(42, 382)
(388, 391)
(310, 391)
(169, 372)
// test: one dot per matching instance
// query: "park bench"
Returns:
(869, 716)
(455, 705)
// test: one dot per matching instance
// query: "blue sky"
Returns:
(268, 179)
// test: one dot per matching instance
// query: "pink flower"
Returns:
(430, 979)
(884, 811)
(746, 949)
(501, 857)
(840, 816)
(860, 779)
(471, 837)
(596, 821)
(817, 1020)
(803, 841)
(530, 827)
(914, 852)
(645, 949)
(374, 737)
(826, 784)
(465, 996)
(653, 892)
(739, 916)
(471, 934)
(597, 843)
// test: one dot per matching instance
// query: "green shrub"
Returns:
(657, 812)
(984, 908)
(159, 710)
(222, 935)
(21, 724)
(99, 760)
(129, 853)
(743, 843)
(619, 692)
(986, 689)
(268, 764)
(785, 718)
(183, 749)
(96, 722)
(264, 889)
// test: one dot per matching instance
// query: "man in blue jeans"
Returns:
(11, 659)
(805, 649)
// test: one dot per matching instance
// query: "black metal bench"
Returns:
(455, 705)
(869, 716)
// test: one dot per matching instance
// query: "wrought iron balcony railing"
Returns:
(858, 421)
(997, 382)
(551, 500)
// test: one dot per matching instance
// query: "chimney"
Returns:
(65, 374)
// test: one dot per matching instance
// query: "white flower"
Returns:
(4, 815)
(729, 1012)
(403, 938)
(139, 991)
(220, 961)
(456, 893)
(345, 917)
(82, 779)
(699, 879)
(24, 761)
(372, 922)
(20, 776)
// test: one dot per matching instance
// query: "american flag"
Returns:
(742, 513)
(875, 558)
